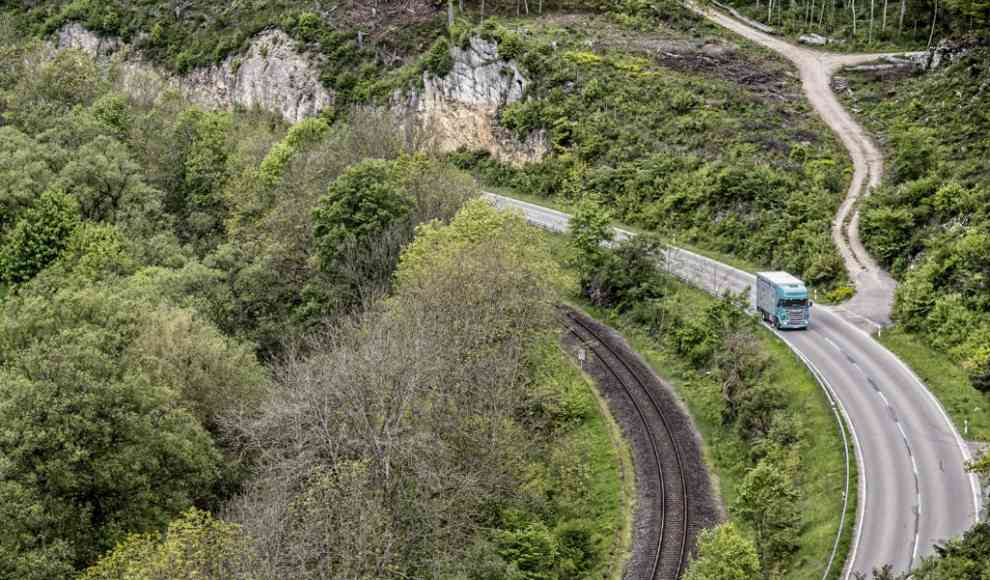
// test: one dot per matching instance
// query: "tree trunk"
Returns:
(883, 25)
(450, 13)
(870, 35)
(900, 20)
(931, 36)
(853, 4)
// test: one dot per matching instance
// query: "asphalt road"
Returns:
(913, 489)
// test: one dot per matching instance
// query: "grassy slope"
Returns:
(585, 471)
(947, 381)
(682, 133)
(596, 479)
(822, 469)
(612, 493)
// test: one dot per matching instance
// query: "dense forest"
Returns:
(221, 351)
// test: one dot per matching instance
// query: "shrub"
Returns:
(438, 60)
(840, 294)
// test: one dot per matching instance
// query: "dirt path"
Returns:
(874, 287)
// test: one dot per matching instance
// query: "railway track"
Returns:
(670, 539)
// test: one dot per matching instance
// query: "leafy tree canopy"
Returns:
(724, 553)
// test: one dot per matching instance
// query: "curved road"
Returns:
(874, 287)
(913, 489)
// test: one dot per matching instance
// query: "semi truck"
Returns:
(782, 300)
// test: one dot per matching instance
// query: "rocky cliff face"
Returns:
(461, 109)
(272, 74)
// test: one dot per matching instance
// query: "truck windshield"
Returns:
(794, 303)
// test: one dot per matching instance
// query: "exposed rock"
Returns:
(815, 39)
(272, 74)
(945, 53)
(463, 107)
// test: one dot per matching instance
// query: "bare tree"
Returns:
(388, 431)
(931, 37)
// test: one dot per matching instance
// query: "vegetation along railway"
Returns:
(674, 504)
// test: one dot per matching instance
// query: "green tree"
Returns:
(88, 454)
(25, 173)
(196, 545)
(965, 558)
(768, 500)
(38, 236)
(197, 200)
(51, 87)
(626, 274)
(724, 553)
(215, 375)
(360, 204)
(110, 187)
(591, 229)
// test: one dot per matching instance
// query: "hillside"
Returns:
(255, 323)
(704, 141)
(929, 222)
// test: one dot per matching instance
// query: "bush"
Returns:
(195, 545)
(438, 61)
(840, 294)
(724, 553)
(768, 501)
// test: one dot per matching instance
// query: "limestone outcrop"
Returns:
(271, 74)
(461, 109)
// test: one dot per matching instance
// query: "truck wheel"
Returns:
(775, 323)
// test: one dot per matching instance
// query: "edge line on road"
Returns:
(844, 423)
(974, 483)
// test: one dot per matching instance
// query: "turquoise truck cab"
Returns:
(782, 300)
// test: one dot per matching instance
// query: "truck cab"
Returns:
(782, 300)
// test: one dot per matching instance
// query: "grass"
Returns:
(597, 477)
(947, 381)
(611, 457)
